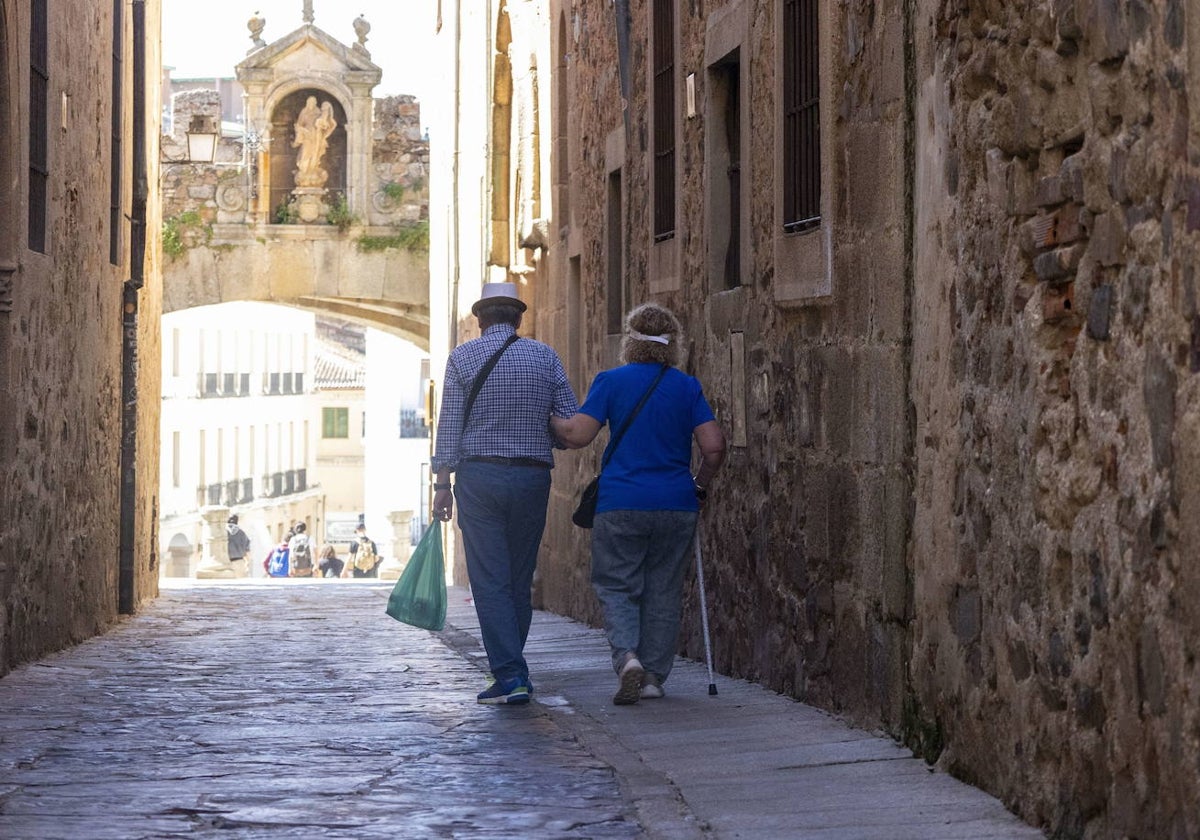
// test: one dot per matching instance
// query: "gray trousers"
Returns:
(638, 561)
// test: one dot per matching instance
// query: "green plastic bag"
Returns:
(419, 597)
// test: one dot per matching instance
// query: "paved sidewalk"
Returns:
(746, 763)
(298, 709)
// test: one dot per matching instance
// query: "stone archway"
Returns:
(179, 556)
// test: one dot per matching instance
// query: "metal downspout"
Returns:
(129, 318)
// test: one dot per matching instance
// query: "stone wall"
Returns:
(220, 193)
(1056, 351)
(964, 487)
(60, 353)
(805, 534)
(399, 163)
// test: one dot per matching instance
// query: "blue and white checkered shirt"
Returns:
(511, 415)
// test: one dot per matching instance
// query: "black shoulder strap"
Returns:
(483, 374)
(612, 446)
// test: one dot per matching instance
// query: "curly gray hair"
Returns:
(645, 323)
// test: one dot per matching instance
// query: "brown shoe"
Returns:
(629, 689)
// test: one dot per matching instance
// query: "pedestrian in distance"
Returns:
(239, 542)
(330, 565)
(300, 553)
(494, 435)
(276, 564)
(364, 556)
(649, 501)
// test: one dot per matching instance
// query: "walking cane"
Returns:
(712, 686)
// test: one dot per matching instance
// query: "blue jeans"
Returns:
(502, 513)
(638, 561)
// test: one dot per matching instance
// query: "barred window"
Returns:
(664, 119)
(39, 93)
(801, 116)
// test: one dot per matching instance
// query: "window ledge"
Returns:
(803, 267)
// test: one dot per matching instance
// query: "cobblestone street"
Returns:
(299, 709)
(284, 711)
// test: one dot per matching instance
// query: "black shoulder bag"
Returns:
(585, 512)
(482, 375)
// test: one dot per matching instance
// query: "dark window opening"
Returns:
(801, 116)
(114, 202)
(208, 385)
(664, 119)
(729, 77)
(614, 258)
(39, 128)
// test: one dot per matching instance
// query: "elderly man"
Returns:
(494, 433)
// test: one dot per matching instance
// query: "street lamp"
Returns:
(202, 139)
(253, 143)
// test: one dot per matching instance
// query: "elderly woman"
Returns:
(649, 500)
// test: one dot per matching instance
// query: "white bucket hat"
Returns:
(494, 293)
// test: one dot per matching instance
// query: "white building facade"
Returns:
(396, 443)
(238, 428)
(340, 401)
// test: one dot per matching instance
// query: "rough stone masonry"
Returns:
(963, 498)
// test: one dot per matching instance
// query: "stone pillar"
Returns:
(215, 562)
(401, 521)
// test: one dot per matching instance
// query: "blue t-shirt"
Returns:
(651, 468)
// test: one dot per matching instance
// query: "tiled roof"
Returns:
(338, 368)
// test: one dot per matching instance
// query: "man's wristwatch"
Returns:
(437, 486)
(701, 492)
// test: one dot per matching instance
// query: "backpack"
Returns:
(365, 558)
(277, 566)
(301, 553)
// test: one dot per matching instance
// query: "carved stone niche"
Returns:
(278, 80)
(285, 188)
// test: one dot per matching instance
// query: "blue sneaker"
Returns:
(505, 692)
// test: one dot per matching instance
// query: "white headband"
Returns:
(658, 339)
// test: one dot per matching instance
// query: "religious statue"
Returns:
(256, 25)
(313, 127)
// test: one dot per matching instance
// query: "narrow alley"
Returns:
(300, 709)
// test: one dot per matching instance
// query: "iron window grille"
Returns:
(39, 128)
(664, 119)
(801, 116)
